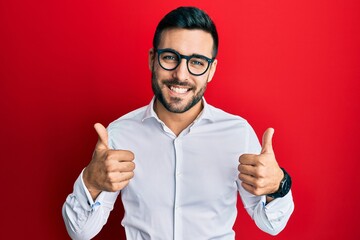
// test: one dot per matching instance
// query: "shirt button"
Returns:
(178, 174)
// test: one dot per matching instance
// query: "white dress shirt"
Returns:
(184, 187)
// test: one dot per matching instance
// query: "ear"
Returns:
(212, 70)
(151, 58)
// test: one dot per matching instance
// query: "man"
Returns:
(191, 158)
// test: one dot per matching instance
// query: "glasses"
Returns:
(170, 59)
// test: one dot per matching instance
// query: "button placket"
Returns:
(177, 200)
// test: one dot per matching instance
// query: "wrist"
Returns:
(284, 186)
(94, 192)
(281, 176)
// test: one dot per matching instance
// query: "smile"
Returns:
(179, 90)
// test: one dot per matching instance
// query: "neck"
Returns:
(177, 122)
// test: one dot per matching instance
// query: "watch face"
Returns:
(286, 185)
(284, 188)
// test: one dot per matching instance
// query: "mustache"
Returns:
(176, 81)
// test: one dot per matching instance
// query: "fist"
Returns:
(109, 170)
(260, 174)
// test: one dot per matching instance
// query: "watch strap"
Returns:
(284, 187)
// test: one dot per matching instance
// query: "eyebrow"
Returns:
(192, 55)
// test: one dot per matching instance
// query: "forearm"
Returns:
(93, 191)
(84, 217)
(270, 217)
(273, 217)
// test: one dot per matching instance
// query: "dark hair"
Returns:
(188, 18)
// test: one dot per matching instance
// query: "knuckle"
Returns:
(130, 175)
(126, 155)
(127, 166)
(256, 183)
(244, 157)
(260, 173)
(257, 191)
(259, 183)
(131, 166)
(257, 162)
(113, 188)
(241, 176)
(122, 185)
(112, 155)
(131, 155)
(108, 167)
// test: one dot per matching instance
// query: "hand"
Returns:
(109, 170)
(261, 174)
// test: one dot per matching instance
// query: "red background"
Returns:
(292, 65)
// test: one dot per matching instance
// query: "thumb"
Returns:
(267, 141)
(102, 134)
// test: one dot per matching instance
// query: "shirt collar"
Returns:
(206, 113)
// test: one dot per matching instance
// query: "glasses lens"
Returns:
(198, 65)
(168, 60)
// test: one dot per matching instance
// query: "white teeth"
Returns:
(179, 90)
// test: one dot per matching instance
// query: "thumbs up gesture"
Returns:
(261, 174)
(109, 170)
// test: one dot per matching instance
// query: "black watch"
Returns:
(284, 187)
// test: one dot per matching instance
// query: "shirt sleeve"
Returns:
(84, 217)
(272, 217)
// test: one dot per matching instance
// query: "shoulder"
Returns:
(125, 130)
(225, 121)
(233, 130)
(135, 116)
(219, 115)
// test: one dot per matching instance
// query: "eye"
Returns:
(197, 62)
(169, 57)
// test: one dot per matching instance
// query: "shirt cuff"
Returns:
(279, 207)
(279, 202)
(84, 196)
(105, 199)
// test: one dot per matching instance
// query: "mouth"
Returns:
(179, 89)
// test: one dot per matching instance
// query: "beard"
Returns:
(174, 104)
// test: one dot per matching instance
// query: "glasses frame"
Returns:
(180, 57)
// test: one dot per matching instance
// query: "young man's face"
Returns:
(178, 90)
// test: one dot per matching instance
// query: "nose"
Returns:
(181, 72)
